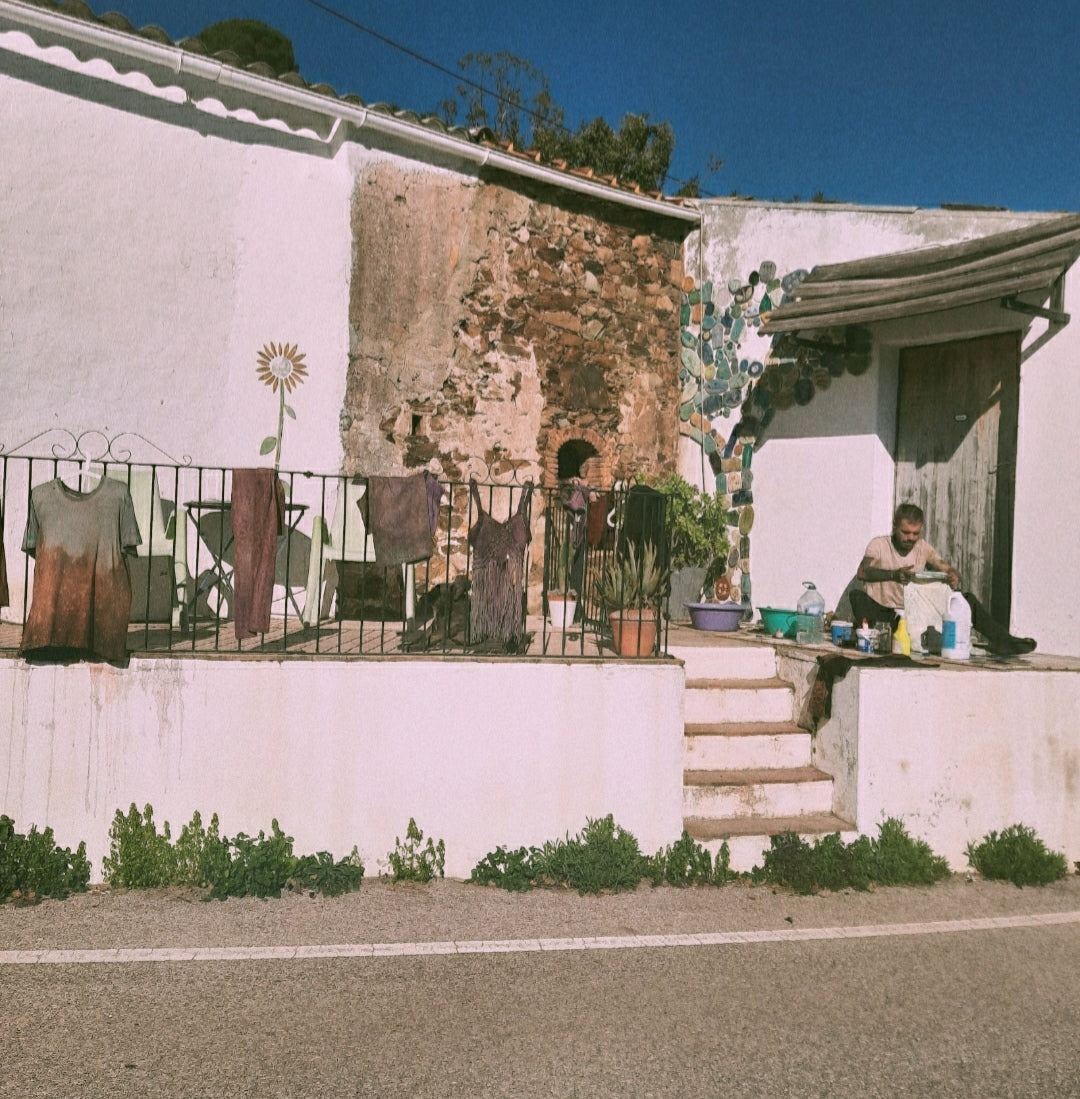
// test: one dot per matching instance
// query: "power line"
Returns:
(457, 76)
(427, 61)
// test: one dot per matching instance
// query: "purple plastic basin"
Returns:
(718, 617)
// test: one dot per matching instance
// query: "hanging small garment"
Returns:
(401, 514)
(5, 595)
(598, 530)
(258, 520)
(82, 590)
(643, 522)
(496, 618)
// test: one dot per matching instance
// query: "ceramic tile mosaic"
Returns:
(728, 366)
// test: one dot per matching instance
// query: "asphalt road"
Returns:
(926, 1010)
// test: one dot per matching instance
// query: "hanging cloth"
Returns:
(643, 523)
(496, 620)
(258, 520)
(81, 601)
(598, 529)
(5, 595)
(401, 514)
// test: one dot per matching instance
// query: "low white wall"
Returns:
(343, 752)
(956, 752)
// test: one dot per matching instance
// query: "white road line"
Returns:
(122, 956)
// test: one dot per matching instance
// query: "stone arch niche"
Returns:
(572, 450)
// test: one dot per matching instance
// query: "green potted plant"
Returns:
(631, 588)
(697, 540)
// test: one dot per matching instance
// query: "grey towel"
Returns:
(400, 514)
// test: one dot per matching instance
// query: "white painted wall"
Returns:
(956, 752)
(823, 480)
(343, 752)
(146, 262)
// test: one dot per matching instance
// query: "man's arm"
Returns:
(936, 562)
(869, 572)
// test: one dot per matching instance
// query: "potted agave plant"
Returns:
(631, 588)
(562, 599)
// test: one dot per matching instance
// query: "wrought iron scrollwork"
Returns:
(93, 445)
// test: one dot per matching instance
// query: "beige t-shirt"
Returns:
(883, 555)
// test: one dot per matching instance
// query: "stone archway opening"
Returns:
(576, 452)
(571, 458)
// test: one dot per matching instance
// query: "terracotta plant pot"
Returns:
(634, 631)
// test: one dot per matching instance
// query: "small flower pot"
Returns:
(562, 609)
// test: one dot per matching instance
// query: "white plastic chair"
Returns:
(345, 539)
(163, 548)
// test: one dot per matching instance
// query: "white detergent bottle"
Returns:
(956, 629)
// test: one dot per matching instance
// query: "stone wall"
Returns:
(489, 325)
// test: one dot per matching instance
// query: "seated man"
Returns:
(891, 561)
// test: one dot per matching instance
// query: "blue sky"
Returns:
(906, 103)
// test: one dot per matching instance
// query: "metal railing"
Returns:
(332, 595)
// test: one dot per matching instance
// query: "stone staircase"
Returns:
(747, 771)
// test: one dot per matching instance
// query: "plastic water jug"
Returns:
(810, 611)
(956, 629)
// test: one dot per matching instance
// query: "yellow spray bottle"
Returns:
(901, 639)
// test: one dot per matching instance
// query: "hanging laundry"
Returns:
(81, 598)
(598, 532)
(5, 595)
(496, 613)
(401, 515)
(258, 520)
(643, 523)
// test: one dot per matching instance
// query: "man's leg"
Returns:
(865, 609)
(997, 636)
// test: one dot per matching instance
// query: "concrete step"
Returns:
(715, 701)
(757, 745)
(768, 792)
(725, 660)
(749, 838)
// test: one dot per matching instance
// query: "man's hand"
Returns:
(905, 575)
(953, 578)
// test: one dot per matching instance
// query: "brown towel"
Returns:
(258, 519)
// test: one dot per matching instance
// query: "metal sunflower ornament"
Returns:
(280, 366)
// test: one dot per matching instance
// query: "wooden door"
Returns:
(956, 455)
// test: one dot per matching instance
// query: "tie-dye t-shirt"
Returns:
(82, 590)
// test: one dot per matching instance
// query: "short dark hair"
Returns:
(910, 513)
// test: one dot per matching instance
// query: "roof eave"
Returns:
(178, 62)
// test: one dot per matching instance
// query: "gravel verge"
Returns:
(450, 910)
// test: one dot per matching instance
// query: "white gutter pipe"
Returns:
(15, 15)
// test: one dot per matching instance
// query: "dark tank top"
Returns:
(496, 614)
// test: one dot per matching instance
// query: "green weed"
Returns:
(34, 866)
(511, 870)
(412, 860)
(139, 856)
(686, 862)
(320, 874)
(602, 856)
(893, 858)
(261, 866)
(1017, 855)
